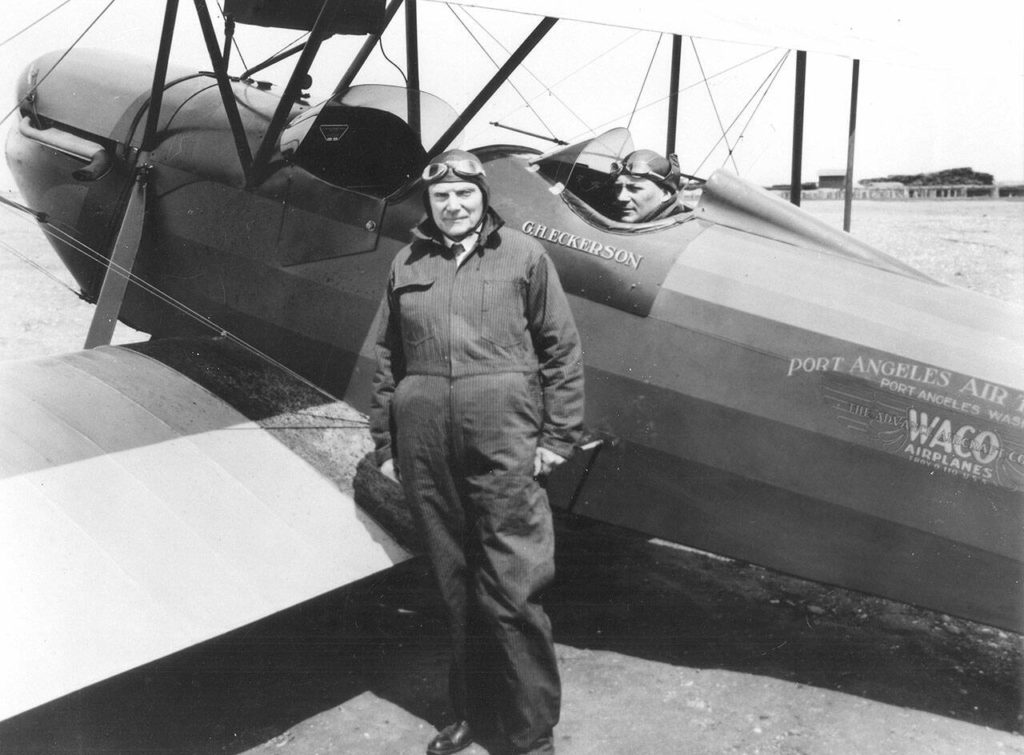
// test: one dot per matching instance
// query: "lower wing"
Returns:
(141, 514)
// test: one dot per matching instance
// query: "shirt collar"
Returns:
(468, 241)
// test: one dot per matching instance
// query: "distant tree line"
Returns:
(949, 177)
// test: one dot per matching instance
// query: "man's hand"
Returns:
(544, 461)
(388, 469)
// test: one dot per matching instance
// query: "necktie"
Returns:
(460, 253)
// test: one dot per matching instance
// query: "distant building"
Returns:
(879, 184)
(832, 178)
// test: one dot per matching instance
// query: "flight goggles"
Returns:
(641, 169)
(463, 168)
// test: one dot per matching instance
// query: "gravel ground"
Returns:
(976, 244)
(662, 650)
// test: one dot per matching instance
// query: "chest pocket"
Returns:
(417, 311)
(503, 312)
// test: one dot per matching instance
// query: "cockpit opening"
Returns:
(589, 176)
(361, 140)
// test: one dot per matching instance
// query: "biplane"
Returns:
(759, 384)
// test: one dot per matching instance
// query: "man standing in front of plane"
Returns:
(478, 395)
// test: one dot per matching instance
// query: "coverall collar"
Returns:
(488, 238)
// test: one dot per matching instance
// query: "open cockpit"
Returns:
(362, 140)
(583, 175)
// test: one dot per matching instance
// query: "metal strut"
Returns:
(673, 95)
(159, 76)
(320, 31)
(227, 96)
(412, 66)
(122, 260)
(492, 86)
(848, 193)
(795, 181)
(364, 52)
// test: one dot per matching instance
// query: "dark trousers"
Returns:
(465, 454)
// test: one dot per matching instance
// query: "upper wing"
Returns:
(893, 30)
(818, 27)
(887, 30)
(140, 514)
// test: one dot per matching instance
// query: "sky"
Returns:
(955, 100)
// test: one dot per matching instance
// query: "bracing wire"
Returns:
(549, 90)
(286, 47)
(764, 87)
(60, 59)
(41, 18)
(498, 66)
(380, 43)
(714, 105)
(234, 40)
(643, 84)
(32, 263)
(180, 306)
(618, 118)
(54, 231)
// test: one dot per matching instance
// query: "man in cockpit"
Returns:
(646, 187)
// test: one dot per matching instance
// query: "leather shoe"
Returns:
(452, 738)
(543, 746)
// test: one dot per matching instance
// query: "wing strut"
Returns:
(412, 64)
(229, 37)
(122, 259)
(798, 128)
(220, 71)
(848, 194)
(673, 94)
(322, 29)
(160, 75)
(364, 52)
(492, 86)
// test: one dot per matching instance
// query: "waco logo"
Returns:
(958, 448)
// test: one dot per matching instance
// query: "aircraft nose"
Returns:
(66, 87)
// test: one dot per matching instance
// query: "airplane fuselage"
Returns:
(766, 387)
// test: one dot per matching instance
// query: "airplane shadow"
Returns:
(615, 592)
(620, 592)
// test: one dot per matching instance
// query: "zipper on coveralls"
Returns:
(452, 427)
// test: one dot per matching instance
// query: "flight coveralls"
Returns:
(670, 208)
(479, 363)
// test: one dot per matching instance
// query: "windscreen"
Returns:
(584, 168)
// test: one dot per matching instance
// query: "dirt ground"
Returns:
(662, 650)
